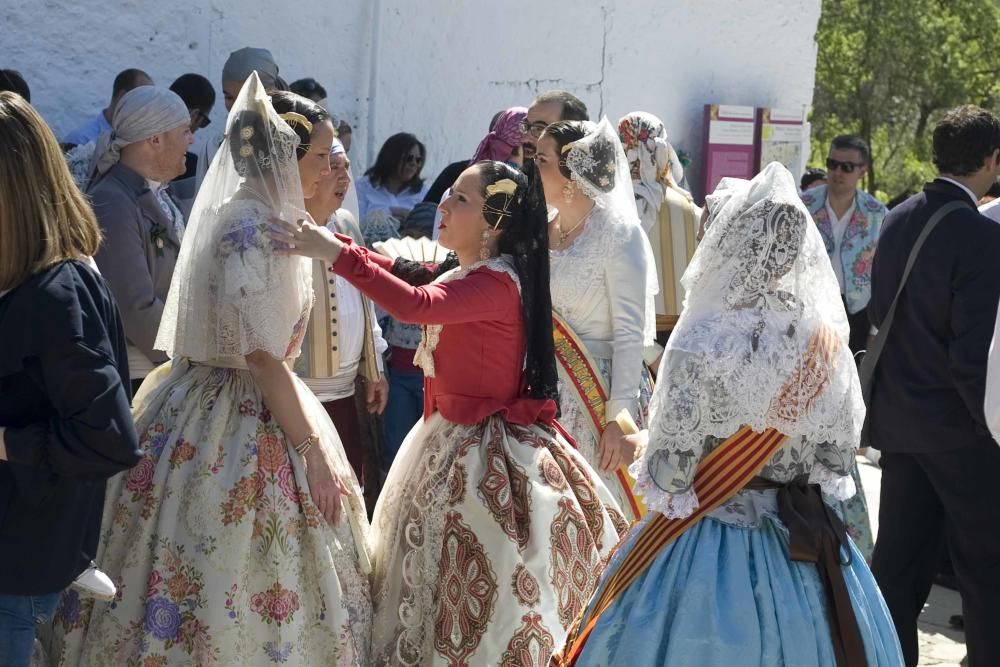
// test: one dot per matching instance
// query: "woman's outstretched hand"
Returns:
(305, 239)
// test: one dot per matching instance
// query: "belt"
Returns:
(816, 535)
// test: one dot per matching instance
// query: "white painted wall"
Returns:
(438, 68)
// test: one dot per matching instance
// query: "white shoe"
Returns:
(93, 583)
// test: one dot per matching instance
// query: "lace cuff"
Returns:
(670, 505)
(835, 485)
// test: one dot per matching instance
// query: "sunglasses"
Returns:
(200, 118)
(846, 167)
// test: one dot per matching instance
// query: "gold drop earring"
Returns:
(568, 191)
(484, 251)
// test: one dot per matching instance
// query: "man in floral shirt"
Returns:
(849, 219)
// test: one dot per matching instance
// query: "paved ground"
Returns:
(940, 644)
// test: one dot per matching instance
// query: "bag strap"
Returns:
(874, 351)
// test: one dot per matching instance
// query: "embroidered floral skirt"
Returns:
(487, 541)
(577, 424)
(219, 554)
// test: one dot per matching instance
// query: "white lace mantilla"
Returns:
(431, 334)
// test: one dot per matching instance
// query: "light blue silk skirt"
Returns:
(728, 595)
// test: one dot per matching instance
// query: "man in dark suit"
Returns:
(940, 466)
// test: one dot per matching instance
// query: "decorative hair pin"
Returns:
(293, 118)
(505, 187)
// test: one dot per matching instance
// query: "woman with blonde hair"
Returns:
(65, 423)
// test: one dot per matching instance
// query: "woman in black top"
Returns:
(65, 422)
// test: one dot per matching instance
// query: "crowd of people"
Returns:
(241, 425)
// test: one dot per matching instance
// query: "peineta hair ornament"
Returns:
(505, 187)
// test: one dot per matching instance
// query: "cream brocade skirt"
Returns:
(487, 542)
(219, 554)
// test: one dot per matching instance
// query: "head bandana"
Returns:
(141, 113)
(243, 62)
(652, 161)
(503, 138)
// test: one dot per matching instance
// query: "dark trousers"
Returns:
(344, 415)
(860, 326)
(924, 496)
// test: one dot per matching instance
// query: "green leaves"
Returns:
(888, 69)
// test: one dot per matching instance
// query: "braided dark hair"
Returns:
(523, 221)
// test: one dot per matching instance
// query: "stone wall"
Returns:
(438, 68)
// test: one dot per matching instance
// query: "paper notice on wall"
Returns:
(783, 139)
(731, 142)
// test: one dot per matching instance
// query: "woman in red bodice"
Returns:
(492, 530)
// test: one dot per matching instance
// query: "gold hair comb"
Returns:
(298, 119)
(505, 187)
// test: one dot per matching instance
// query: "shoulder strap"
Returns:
(875, 349)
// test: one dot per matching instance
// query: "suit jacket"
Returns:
(131, 258)
(930, 381)
(857, 248)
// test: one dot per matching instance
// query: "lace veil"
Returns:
(230, 294)
(762, 339)
(598, 166)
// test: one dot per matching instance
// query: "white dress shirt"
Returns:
(839, 226)
(991, 210)
(89, 131)
(349, 323)
(372, 197)
(992, 405)
(969, 192)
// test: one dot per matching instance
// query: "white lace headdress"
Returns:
(230, 295)
(762, 340)
(598, 166)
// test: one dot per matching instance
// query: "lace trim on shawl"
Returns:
(431, 334)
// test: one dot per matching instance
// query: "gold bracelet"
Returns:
(303, 447)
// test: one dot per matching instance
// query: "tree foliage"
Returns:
(888, 69)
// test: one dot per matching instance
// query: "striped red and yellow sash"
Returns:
(578, 371)
(722, 473)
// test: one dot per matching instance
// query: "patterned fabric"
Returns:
(857, 249)
(505, 136)
(576, 422)
(219, 554)
(488, 540)
(668, 214)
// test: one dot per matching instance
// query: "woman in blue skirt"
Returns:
(757, 412)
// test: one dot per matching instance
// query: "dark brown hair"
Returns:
(964, 139)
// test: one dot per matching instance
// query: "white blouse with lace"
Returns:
(599, 287)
